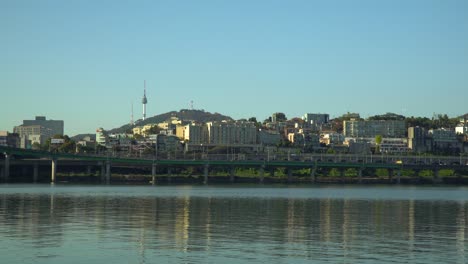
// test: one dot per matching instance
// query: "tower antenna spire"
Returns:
(144, 101)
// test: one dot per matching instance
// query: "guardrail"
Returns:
(259, 157)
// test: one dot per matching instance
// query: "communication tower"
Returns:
(144, 101)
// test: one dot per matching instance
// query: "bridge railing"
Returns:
(384, 158)
(308, 157)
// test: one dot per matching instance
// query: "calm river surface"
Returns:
(239, 224)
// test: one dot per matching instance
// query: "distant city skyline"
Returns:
(85, 62)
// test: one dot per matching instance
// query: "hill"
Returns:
(81, 136)
(185, 115)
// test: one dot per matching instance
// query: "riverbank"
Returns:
(199, 179)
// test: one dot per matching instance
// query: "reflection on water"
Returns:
(174, 225)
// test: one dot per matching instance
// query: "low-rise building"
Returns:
(315, 121)
(143, 130)
(332, 138)
(101, 137)
(444, 140)
(305, 139)
(462, 127)
(358, 146)
(180, 132)
(121, 139)
(9, 139)
(86, 144)
(166, 143)
(170, 124)
(137, 130)
(296, 138)
(30, 135)
(394, 145)
(269, 137)
(417, 140)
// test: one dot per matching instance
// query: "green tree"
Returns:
(153, 130)
(68, 146)
(36, 146)
(387, 116)
(280, 117)
(381, 173)
(419, 121)
(378, 141)
(334, 172)
(268, 120)
(253, 119)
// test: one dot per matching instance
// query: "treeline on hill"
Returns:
(184, 114)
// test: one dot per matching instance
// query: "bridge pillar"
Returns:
(169, 174)
(391, 172)
(459, 176)
(205, 173)
(313, 170)
(54, 170)
(153, 174)
(398, 176)
(108, 171)
(35, 172)
(231, 174)
(360, 175)
(103, 171)
(262, 173)
(6, 174)
(342, 175)
(88, 170)
(436, 178)
(289, 175)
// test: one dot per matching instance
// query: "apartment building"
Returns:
(195, 133)
(372, 128)
(32, 134)
(232, 133)
(315, 121)
(55, 126)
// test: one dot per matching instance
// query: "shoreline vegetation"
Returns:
(303, 176)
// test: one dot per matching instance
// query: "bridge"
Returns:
(27, 160)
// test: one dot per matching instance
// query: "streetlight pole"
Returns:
(156, 148)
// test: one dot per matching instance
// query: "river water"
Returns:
(233, 224)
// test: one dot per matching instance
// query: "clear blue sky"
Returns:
(85, 61)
